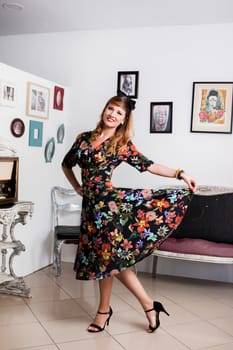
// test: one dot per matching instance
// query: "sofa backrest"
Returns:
(209, 216)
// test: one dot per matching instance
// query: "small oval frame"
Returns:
(17, 127)
(49, 150)
(60, 133)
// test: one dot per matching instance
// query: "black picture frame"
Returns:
(161, 117)
(127, 83)
(212, 107)
(17, 127)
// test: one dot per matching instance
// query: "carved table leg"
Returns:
(16, 287)
(9, 218)
(4, 253)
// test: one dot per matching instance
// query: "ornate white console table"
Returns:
(10, 216)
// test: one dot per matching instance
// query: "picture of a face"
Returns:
(160, 117)
(17, 127)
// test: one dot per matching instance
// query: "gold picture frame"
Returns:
(37, 104)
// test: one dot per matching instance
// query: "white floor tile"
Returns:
(20, 336)
(16, 314)
(106, 342)
(197, 335)
(142, 340)
(57, 315)
(69, 329)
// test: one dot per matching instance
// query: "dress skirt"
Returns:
(119, 226)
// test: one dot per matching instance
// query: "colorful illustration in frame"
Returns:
(35, 133)
(49, 150)
(212, 108)
(58, 98)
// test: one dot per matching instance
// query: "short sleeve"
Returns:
(134, 158)
(70, 159)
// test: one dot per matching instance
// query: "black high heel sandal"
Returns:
(157, 307)
(96, 326)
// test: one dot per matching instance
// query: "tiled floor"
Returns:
(56, 317)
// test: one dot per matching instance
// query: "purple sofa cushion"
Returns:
(197, 246)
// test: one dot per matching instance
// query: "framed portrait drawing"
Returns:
(17, 127)
(37, 101)
(161, 117)
(7, 93)
(127, 83)
(35, 133)
(58, 98)
(212, 107)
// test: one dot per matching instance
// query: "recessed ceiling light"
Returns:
(12, 6)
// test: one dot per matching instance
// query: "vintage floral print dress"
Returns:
(119, 226)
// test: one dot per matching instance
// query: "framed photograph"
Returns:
(49, 150)
(17, 127)
(7, 93)
(60, 133)
(127, 82)
(35, 133)
(58, 98)
(161, 117)
(212, 107)
(37, 101)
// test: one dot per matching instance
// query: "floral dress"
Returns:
(119, 226)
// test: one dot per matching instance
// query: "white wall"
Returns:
(36, 177)
(168, 59)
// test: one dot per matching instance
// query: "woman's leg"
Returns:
(131, 281)
(105, 288)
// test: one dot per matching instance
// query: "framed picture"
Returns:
(35, 133)
(37, 101)
(161, 117)
(60, 133)
(49, 150)
(127, 82)
(17, 127)
(212, 107)
(8, 93)
(58, 98)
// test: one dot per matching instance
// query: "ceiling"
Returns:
(46, 16)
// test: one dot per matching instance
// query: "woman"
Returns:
(120, 226)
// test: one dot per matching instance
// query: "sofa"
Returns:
(206, 232)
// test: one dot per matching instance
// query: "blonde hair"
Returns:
(123, 132)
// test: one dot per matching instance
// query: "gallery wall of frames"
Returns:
(33, 119)
(211, 110)
(38, 109)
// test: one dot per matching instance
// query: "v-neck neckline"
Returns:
(93, 148)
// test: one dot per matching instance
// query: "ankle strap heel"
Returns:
(157, 307)
(98, 328)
